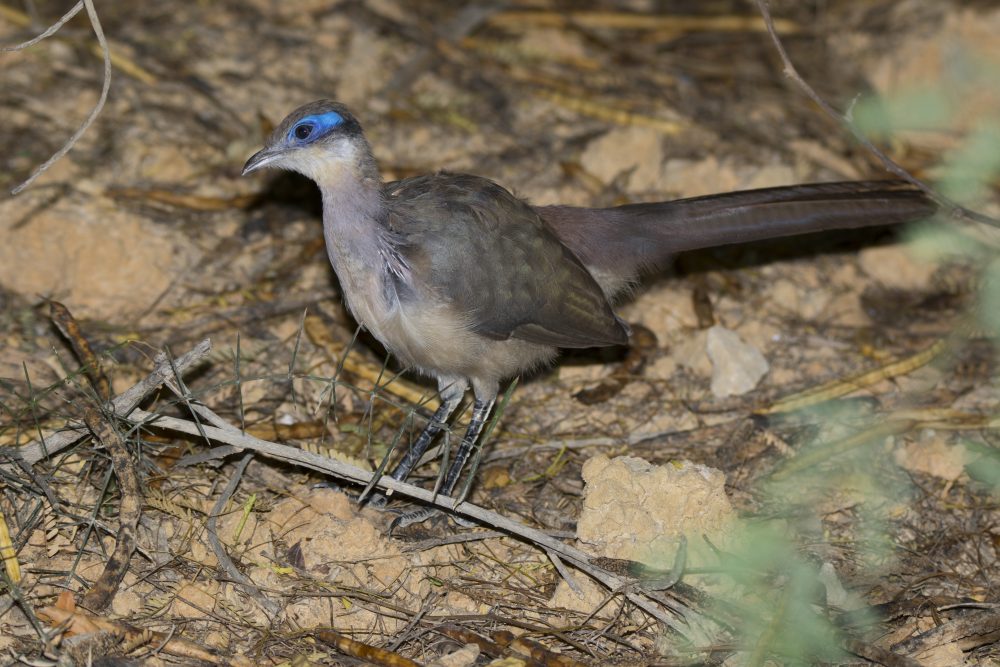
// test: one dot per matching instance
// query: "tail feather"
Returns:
(617, 243)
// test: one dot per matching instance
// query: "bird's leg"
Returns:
(450, 398)
(480, 413)
(451, 391)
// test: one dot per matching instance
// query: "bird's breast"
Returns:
(422, 328)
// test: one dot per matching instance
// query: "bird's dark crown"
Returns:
(324, 125)
(313, 123)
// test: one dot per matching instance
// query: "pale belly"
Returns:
(437, 342)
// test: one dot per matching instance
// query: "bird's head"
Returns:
(321, 140)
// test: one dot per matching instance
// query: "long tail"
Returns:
(617, 243)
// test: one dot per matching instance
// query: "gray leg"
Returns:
(480, 413)
(449, 401)
(451, 391)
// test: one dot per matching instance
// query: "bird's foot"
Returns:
(425, 513)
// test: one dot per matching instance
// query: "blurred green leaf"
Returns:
(916, 109)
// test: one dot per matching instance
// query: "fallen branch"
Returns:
(953, 209)
(345, 471)
(104, 589)
(120, 405)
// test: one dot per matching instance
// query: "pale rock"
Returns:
(663, 309)
(102, 262)
(759, 333)
(785, 295)
(942, 655)
(846, 310)
(624, 149)
(553, 43)
(931, 455)
(737, 367)
(942, 61)
(662, 368)
(690, 353)
(894, 266)
(836, 594)
(586, 597)
(126, 603)
(463, 657)
(692, 178)
(195, 600)
(806, 302)
(365, 54)
(639, 511)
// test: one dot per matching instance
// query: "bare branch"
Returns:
(953, 209)
(121, 405)
(106, 86)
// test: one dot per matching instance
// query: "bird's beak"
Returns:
(261, 159)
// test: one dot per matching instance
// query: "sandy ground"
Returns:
(873, 514)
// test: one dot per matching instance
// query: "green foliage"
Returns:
(985, 468)
(917, 109)
(775, 569)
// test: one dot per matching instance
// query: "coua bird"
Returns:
(466, 283)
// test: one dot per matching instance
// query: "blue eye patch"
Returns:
(313, 127)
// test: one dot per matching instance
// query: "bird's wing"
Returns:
(474, 244)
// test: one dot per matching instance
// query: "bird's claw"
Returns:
(425, 513)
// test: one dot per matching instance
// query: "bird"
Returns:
(467, 284)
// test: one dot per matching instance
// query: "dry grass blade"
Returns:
(631, 21)
(843, 386)
(121, 405)
(367, 652)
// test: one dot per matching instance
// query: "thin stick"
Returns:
(120, 405)
(953, 209)
(105, 87)
(328, 466)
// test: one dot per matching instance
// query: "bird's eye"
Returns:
(303, 131)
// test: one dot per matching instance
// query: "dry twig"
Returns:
(952, 208)
(130, 511)
(105, 87)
